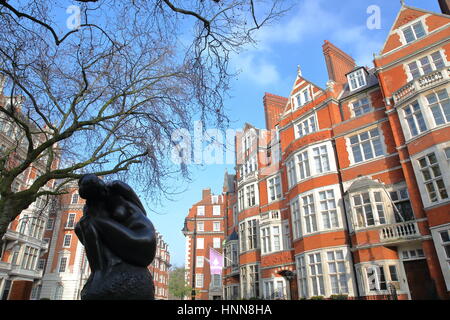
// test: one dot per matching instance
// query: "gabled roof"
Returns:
(405, 15)
(297, 78)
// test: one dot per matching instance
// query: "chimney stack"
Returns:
(338, 62)
(273, 108)
(206, 193)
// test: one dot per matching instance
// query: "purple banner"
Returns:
(215, 261)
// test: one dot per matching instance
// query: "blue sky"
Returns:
(271, 66)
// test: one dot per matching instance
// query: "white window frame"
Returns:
(416, 68)
(271, 289)
(216, 243)
(411, 27)
(291, 173)
(75, 198)
(50, 224)
(360, 143)
(200, 226)
(440, 245)
(306, 126)
(200, 210)
(425, 165)
(60, 264)
(216, 210)
(199, 280)
(308, 274)
(358, 105)
(274, 188)
(73, 221)
(437, 106)
(328, 208)
(300, 99)
(199, 261)
(357, 79)
(414, 118)
(374, 206)
(200, 243)
(216, 225)
(296, 219)
(268, 236)
(67, 236)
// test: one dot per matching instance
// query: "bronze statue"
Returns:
(119, 240)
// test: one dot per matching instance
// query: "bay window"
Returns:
(316, 274)
(414, 118)
(250, 281)
(320, 155)
(439, 103)
(270, 239)
(337, 272)
(328, 209)
(324, 273)
(250, 194)
(309, 213)
(274, 188)
(426, 65)
(291, 173)
(368, 209)
(274, 289)
(248, 234)
(296, 224)
(432, 177)
(252, 234)
(303, 165)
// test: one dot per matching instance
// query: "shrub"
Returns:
(339, 297)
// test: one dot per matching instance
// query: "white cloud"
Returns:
(256, 69)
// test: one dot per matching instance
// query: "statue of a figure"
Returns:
(119, 240)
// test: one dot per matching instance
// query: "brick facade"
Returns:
(349, 195)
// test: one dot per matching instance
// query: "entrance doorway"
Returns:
(421, 286)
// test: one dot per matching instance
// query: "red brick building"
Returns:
(160, 269)
(348, 194)
(204, 228)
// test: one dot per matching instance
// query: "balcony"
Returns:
(20, 237)
(270, 216)
(421, 83)
(17, 270)
(399, 232)
(248, 177)
(5, 266)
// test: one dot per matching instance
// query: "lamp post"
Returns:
(194, 258)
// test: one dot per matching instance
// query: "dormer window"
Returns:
(414, 32)
(303, 97)
(357, 79)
